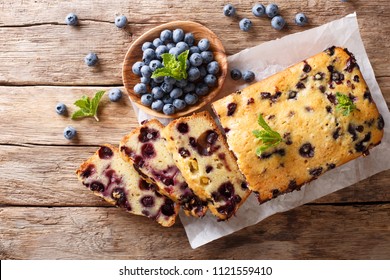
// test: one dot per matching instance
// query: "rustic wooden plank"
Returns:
(38, 48)
(45, 176)
(308, 232)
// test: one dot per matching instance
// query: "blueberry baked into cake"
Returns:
(295, 125)
(115, 180)
(202, 155)
(146, 149)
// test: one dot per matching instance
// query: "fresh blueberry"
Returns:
(300, 19)
(193, 74)
(204, 45)
(153, 84)
(201, 89)
(154, 64)
(149, 54)
(166, 87)
(146, 71)
(194, 49)
(167, 99)
(158, 80)
(188, 64)
(175, 51)
(189, 39)
(203, 71)
(115, 94)
(213, 67)
(272, 10)
(168, 109)
(157, 105)
(182, 46)
(248, 76)
(210, 80)
(278, 22)
(70, 132)
(181, 83)
(71, 19)
(190, 87)
(120, 21)
(178, 35)
(258, 10)
(169, 80)
(140, 88)
(157, 42)
(179, 104)
(166, 36)
(147, 99)
(171, 45)
(136, 68)
(158, 93)
(147, 45)
(160, 50)
(145, 80)
(245, 24)
(176, 93)
(207, 56)
(61, 109)
(191, 98)
(235, 74)
(229, 10)
(196, 59)
(91, 59)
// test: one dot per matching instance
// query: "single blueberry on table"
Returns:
(229, 10)
(91, 59)
(157, 105)
(258, 10)
(147, 99)
(207, 56)
(157, 42)
(248, 76)
(168, 109)
(115, 94)
(201, 89)
(61, 109)
(147, 45)
(272, 10)
(146, 71)
(210, 80)
(140, 88)
(278, 22)
(204, 45)
(245, 24)
(70, 132)
(176, 93)
(300, 19)
(235, 74)
(166, 36)
(136, 68)
(196, 59)
(178, 35)
(179, 104)
(189, 39)
(193, 74)
(71, 19)
(160, 50)
(120, 21)
(191, 98)
(213, 67)
(154, 64)
(158, 93)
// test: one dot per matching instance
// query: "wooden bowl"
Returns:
(135, 52)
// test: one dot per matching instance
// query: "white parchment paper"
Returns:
(265, 60)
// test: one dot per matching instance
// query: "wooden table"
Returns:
(45, 213)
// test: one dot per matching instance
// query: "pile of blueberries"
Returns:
(167, 94)
(259, 10)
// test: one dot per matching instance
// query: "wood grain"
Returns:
(315, 232)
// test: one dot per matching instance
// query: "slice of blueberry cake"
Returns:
(202, 155)
(115, 180)
(295, 125)
(146, 148)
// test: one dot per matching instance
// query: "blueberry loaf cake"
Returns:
(202, 155)
(295, 125)
(146, 149)
(115, 180)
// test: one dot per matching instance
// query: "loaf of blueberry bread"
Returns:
(146, 149)
(202, 155)
(295, 125)
(115, 180)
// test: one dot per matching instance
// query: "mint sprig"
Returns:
(268, 137)
(88, 107)
(175, 68)
(344, 104)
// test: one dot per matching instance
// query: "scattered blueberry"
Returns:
(179, 104)
(248, 76)
(191, 98)
(154, 64)
(120, 21)
(137, 67)
(91, 59)
(60, 108)
(258, 10)
(278, 22)
(158, 93)
(189, 39)
(196, 59)
(166, 36)
(168, 109)
(178, 35)
(176, 93)
(146, 71)
(157, 105)
(71, 19)
(272, 10)
(201, 89)
(70, 132)
(207, 56)
(147, 45)
(147, 99)
(245, 24)
(140, 88)
(229, 10)
(300, 19)
(235, 74)
(210, 80)
(213, 67)
(115, 94)
(204, 45)
(157, 42)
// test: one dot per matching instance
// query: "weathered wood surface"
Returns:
(46, 214)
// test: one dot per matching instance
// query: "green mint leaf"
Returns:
(95, 103)
(80, 114)
(88, 107)
(268, 137)
(182, 58)
(161, 72)
(175, 68)
(344, 104)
